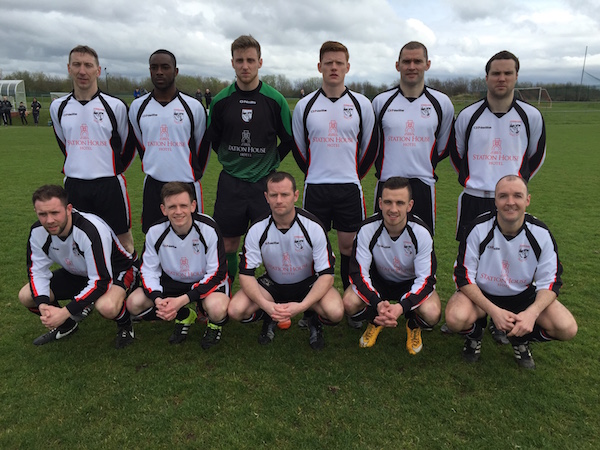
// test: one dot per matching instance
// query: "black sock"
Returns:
(258, 315)
(183, 313)
(123, 319)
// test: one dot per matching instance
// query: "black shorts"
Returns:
(151, 212)
(66, 285)
(106, 197)
(128, 279)
(516, 303)
(469, 207)
(173, 288)
(343, 204)
(238, 203)
(388, 290)
(424, 201)
(285, 293)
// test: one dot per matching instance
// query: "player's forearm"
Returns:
(543, 299)
(251, 288)
(318, 291)
(474, 294)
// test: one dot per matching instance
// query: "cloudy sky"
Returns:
(549, 36)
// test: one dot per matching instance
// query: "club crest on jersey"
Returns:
(83, 132)
(98, 115)
(408, 248)
(514, 127)
(523, 252)
(333, 128)
(76, 250)
(178, 115)
(196, 246)
(425, 111)
(298, 243)
(348, 111)
(246, 115)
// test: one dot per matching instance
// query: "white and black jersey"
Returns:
(291, 255)
(490, 146)
(170, 137)
(198, 258)
(410, 256)
(336, 139)
(91, 250)
(95, 136)
(504, 266)
(413, 133)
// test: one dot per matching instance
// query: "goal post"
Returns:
(535, 95)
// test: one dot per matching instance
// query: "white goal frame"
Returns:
(543, 97)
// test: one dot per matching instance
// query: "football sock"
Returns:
(123, 319)
(258, 315)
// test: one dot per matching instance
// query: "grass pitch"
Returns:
(82, 393)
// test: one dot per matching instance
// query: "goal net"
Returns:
(535, 95)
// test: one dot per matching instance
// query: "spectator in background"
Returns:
(23, 113)
(35, 110)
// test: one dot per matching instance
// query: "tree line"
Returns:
(38, 83)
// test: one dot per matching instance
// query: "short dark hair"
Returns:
(278, 177)
(413, 45)
(244, 42)
(333, 46)
(504, 54)
(394, 183)
(48, 192)
(85, 49)
(512, 178)
(164, 52)
(175, 188)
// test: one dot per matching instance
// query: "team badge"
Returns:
(178, 115)
(523, 252)
(408, 248)
(410, 128)
(83, 132)
(514, 127)
(76, 250)
(298, 243)
(98, 115)
(196, 246)
(348, 111)
(246, 115)
(333, 128)
(425, 111)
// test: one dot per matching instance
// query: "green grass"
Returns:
(82, 393)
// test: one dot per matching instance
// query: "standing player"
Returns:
(35, 110)
(415, 123)
(169, 127)
(508, 268)
(183, 262)
(336, 144)
(94, 134)
(496, 136)
(299, 267)
(95, 268)
(244, 122)
(392, 270)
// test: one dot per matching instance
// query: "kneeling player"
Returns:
(95, 268)
(183, 262)
(299, 267)
(392, 270)
(508, 268)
